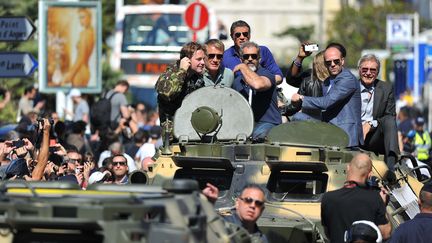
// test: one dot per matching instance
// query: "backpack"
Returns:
(100, 112)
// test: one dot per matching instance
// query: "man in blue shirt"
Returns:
(240, 33)
(420, 227)
(258, 86)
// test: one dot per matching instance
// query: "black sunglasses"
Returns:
(74, 160)
(371, 70)
(212, 56)
(238, 34)
(329, 62)
(246, 56)
(249, 200)
(119, 163)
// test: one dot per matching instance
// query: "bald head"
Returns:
(359, 167)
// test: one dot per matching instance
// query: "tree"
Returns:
(363, 28)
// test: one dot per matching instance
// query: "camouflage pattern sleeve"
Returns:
(170, 83)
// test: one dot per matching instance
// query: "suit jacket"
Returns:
(341, 105)
(384, 101)
(384, 111)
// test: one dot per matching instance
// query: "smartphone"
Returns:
(311, 47)
(18, 143)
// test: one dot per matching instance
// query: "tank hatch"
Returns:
(214, 109)
(311, 133)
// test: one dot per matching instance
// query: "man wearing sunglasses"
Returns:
(215, 73)
(248, 208)
(378, 113)
(258, 86)
(241, 33)
(120, 169)
(340, 103)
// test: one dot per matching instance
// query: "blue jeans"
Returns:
(261, 130)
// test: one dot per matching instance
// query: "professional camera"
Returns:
(373, 183)
(41, 121)
(311, 47)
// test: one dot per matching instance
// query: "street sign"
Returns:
(196, 16)
(16, 28)
(16, 64)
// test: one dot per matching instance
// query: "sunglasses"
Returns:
(246, 56)
(119, 163)
(371, 70)
(249, 200)
(238, 34)
(74, 160)
(212, 56)
(329, 62)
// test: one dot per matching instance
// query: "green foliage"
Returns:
(302, 34)
(364, 28)
(109, 76)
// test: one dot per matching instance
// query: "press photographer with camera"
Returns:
(355, 201)
(24, 153)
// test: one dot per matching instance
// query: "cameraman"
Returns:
(355, 201)
(19, 166)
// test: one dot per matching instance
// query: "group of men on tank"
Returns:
(364, 109)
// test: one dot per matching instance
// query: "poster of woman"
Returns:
(70, 46)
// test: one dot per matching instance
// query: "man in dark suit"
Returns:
(340, 104)
(378, 111)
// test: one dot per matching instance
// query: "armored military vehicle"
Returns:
(62, 212)
(299, 162)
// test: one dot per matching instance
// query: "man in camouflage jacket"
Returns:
(180, 79)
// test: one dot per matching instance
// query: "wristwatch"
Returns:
(373, 123)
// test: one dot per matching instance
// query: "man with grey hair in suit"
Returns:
(378, 112)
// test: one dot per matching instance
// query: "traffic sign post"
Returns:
(196, 17)
(16, 28)
(16, 64)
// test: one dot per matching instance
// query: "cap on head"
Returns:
(419, 121)
(75, 93)
(427, 187)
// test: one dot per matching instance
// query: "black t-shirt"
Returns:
(340, 208)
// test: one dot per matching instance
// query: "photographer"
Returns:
(23, 165)
(355, 201)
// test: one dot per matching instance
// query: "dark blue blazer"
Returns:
(341, 105)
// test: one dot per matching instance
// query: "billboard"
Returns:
(70, 46)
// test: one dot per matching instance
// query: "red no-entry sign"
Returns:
(196, 16)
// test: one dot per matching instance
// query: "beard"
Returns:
(252, 67)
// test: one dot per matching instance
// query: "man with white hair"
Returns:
(258, 86)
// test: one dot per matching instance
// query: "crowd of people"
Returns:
(51, 149)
